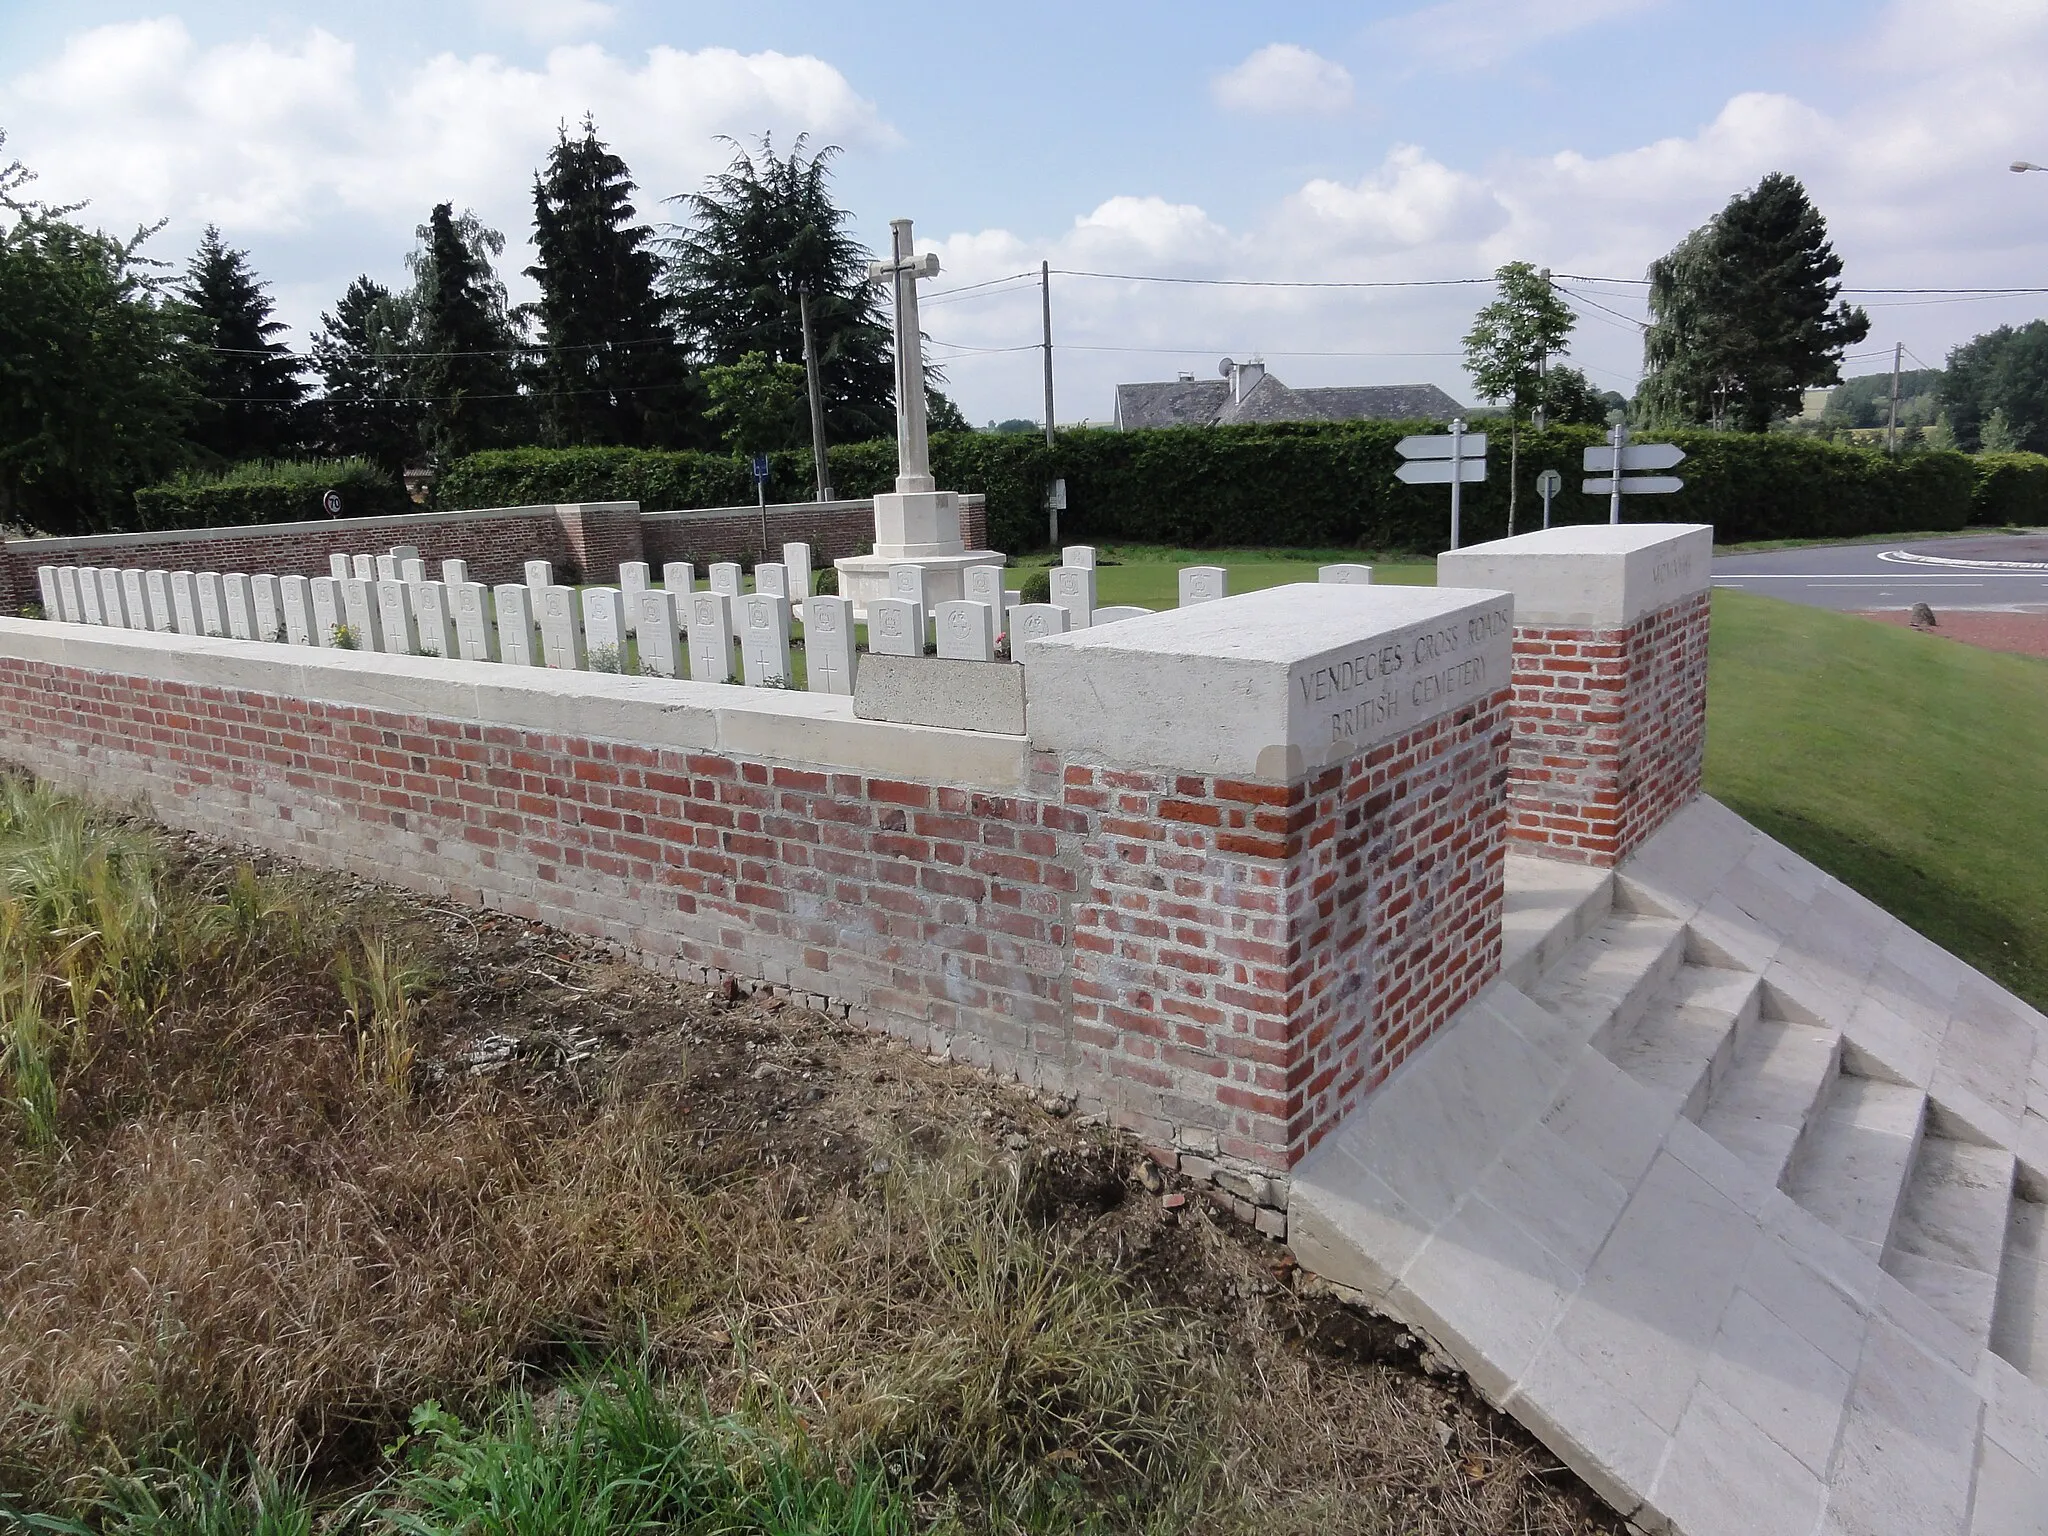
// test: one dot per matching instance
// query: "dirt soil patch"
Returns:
(2023, 634)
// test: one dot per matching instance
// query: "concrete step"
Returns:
(1687, 1037)
(1850, 1168)
(1605, 982)
(1547, 908)
(1762, 1105)
(2019, 1324)
(1948, 1243)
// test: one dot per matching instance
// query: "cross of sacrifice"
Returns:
(901, 272)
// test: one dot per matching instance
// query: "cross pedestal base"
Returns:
(864, 577)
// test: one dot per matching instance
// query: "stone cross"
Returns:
(901, 272)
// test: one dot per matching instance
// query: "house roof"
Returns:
(1207, 402)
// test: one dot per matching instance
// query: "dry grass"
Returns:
(268, 1211)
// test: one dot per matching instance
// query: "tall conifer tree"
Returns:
(611, 370)
(464, 375)
(252, 395)
(359, 353)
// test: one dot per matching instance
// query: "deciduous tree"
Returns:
(464, 375)
(1508, 348)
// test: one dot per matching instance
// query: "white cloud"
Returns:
(1284, 77)
(1409, 202)
(279, 138)
(1479, 34)
(549, 21)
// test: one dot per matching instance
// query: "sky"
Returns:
(1231, 144)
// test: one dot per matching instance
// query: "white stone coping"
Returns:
(780, 508)
(48, 551)
(1268, 685)
(1592, 576)
(810, 730)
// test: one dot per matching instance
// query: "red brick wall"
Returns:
(833, 530)
(1610, 732)
(1225, 966)
(1261, 956)
(598, 539)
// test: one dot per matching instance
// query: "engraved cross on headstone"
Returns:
(901, 272)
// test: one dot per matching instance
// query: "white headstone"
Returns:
(561, 629)
(1118, 612)
(710, 638)
(540, 575)
(454, 573)
(113, 602)
(397, 630)
(984, 584)
(213, 615)
(70, 604)
(476, 637)
(604, 628)
(907, 582)
(135, 598)
(412, 571)
(89, 595)
(518, 633)
(829, 657)
(433, 615)
(764, 639)
(156, 587)
(46, 584)
(1079, 556)
(387, 568)
(324, 593)
(1203, 584)
(361, 612)
(725, 578)
(895, 627)
(967, 631)
(264, 598)
(658, 627)
(185, 602)
(633, 580)
(1035, 621)
(771, 578)
(241, 605)
(1344, 575)
(796, 559)
(1073, 588)
(680, 578)
(339, 567)
(295, 610)
(361, 568)
(404, 552)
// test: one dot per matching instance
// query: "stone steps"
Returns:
(1766, 1100)
(2019, 1325)
(1851, 1163)
(1546, 909)
(1948, 1245)
(1688, 1037)
(1602, 987)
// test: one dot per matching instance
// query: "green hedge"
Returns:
(1302, 486)
(291, 492)
(2012, 490)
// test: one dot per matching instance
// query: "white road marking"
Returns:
(1911, 557)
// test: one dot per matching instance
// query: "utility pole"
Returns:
(1891, 431)
(803, 309)
(1045, 309)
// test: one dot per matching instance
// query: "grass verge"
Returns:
(1909, 768)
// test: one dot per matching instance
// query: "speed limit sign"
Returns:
(331, 502)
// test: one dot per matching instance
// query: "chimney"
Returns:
(1187, 377)
(1244, 377)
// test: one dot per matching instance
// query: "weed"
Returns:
(342, 638)
(381, 995)
(604, 658)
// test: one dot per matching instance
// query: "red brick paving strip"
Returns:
(2022, 634)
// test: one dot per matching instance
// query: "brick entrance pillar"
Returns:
(1610, 709)
(600, 536)
(1292, 817)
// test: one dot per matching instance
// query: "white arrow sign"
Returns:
(1634, 456)
(1437, 445)
(1438, 471)
(1635, 485)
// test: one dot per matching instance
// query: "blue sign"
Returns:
(761, 468)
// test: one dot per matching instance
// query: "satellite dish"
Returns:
(1223, 368)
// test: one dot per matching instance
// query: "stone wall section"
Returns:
(1260, 956)
(1610, 732)
(835, 531)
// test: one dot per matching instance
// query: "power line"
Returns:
(1987, 293)
(1256, 282)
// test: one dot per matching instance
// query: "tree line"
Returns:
(116, 371)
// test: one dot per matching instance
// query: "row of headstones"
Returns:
(1073, 593)
(387, 603)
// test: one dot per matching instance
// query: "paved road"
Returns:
(2002, 571)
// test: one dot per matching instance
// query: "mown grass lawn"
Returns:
(1911, 767)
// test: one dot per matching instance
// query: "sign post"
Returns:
(1452, 458)
(761, 497)
(1621, 456)
(1548, 484)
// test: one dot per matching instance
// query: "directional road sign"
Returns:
(1634, 456)
(1635, 485)
(1455, 458)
